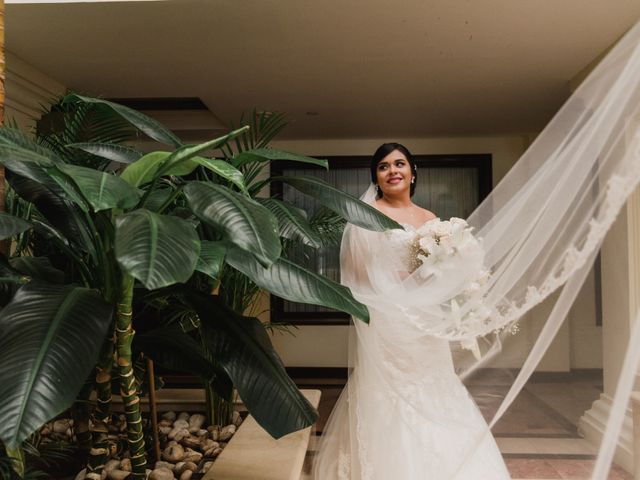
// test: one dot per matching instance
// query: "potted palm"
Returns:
(145, 228)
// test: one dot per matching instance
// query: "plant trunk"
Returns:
(100, 430)
(81, 418)
(128, 385)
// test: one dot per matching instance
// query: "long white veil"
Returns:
(540, 231)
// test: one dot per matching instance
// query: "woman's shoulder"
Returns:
(425, 214)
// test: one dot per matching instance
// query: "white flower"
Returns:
(457, 225)
(441, 229)
(427, 228)
(428, 244)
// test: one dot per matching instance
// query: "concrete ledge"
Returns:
(252, 453)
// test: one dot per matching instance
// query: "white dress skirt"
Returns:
(392, 424)
(404, 414)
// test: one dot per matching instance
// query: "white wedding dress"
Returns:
(404, 413)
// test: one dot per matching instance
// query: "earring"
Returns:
(377, 189)
(413, 179)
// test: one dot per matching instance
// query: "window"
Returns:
(448, 185)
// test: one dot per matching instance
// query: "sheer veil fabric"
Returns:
(405, 412)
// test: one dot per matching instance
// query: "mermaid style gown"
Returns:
(405, 414)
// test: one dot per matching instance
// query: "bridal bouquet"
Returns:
(444, 245)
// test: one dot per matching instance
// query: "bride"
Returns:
(404, 413)
(443, 296)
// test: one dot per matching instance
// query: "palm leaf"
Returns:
(293, 282)
(158, 250)
(173, 349)
(50, 336)
(102, 190)
(352, 209)
(244, 222)
(224, 170)
(145, 124)
(109, 151)
(211, 258)
(146, 168)
(39, 268)
(292, 221)
(10, 225)
(262, 155)
(242, 348)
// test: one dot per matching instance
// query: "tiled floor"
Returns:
(538, 436)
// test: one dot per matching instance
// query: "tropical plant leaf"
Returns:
(244, 222)
(145, 124)
(27, 163)
(224, 170)
(270, 154)
(50, 337)
(8, 274)
(39, 268)
(158, 250)
(15, 137)
(66, 222)
(110, 151)
(211, 257)
(187, 152)
(293, 282)
(352, 209)
(292, 221)
(172, 348)
(10, 225)
(329, 226)
(158, 197)
(145, 169)
(102, 190)
(242, 348)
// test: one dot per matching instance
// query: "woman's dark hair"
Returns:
(384, 150)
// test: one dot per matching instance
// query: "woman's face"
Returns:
(393, 173)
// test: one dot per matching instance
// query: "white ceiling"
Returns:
(339, 68)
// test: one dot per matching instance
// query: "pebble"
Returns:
(183, 416)
(236, 419)
(125, 464)
(181, 424)
(81, 474)
(192, 456)
(161, 464)
(61, 426)
(173, 453)
(196, 421)
(191, 442)
(111, 465)
(161, 474)
(170, 416)
(119, 474)
(227, 432)
(186, 475)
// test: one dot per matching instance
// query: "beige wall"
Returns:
(27, 89)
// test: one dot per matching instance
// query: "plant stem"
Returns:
(81, 417)
(100, 452)
(128, 387)
(153, 410)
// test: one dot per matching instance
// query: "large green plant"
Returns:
(155, 226)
